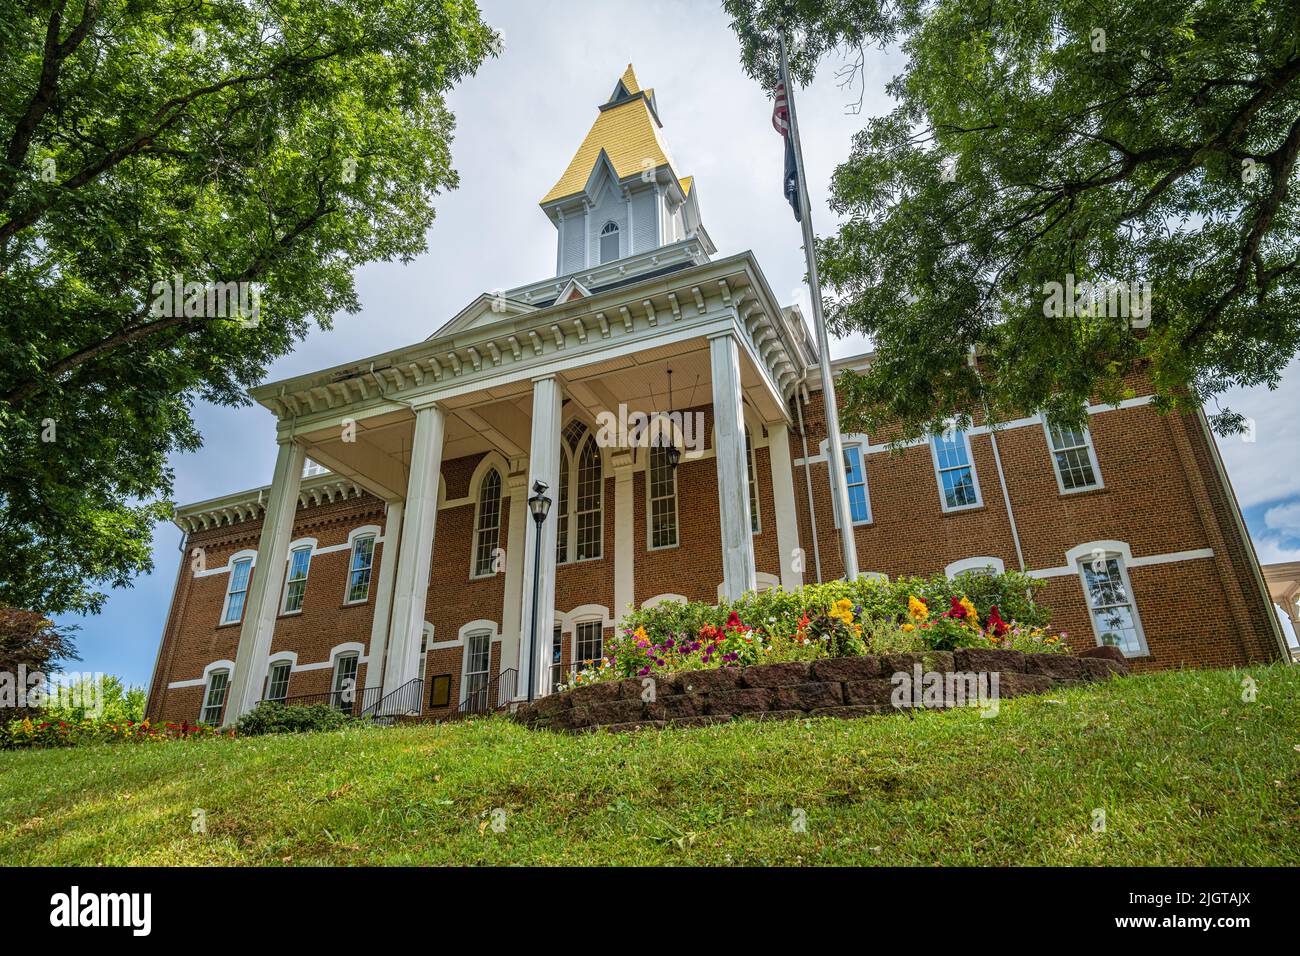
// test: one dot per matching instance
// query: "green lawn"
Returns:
(1186, 772)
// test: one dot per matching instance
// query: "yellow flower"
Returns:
(909, 627)
(916, 609)
(971, 614)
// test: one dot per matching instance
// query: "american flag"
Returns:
(781, 123)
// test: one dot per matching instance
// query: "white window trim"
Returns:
(1056, 467)
(230, 570)
(658, 599)
(478, 509)
(982, 563)
(863, 445)
(649, 510)
(308, 545)
(464, 659)
(938, 479)
(1121, 551)
(272, 665)
(216, 667)
(369, 531)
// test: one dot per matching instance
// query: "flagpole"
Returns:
(839, 490)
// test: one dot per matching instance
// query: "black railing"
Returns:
(352, 700)
(403, 702)
(494, 693)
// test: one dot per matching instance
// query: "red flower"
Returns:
(998, 626)
(734, 620)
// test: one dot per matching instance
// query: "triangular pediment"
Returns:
(487, 309)
(573, 289)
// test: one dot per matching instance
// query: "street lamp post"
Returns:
(539, 505)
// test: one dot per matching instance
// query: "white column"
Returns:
(733, 481)
(787, 524)
(268, 578)
(516, 548)
(411, 590)
(392, 547)
(624, 534)
(544, 466)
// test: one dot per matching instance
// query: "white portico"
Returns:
(506, 375)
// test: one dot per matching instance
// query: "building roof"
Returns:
(627, 129)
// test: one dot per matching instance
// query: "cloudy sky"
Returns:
(519, 122)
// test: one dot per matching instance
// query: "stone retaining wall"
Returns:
(833, 687)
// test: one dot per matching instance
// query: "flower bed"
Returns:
(61, 733)
(827, 687)
(867, 616)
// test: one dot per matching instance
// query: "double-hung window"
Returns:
(363, 560)
(855, 481)
(277, 681)
(1073, 457)
(662, 481)
(344, 690)
(237, 591)
(478, 661)
(955, 471)
(590, 638)
(751, 468)
(214, 699)
(295, 585)
(1110, 603)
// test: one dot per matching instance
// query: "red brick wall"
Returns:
(1161, 495)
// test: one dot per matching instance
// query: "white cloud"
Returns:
(1284, 518)
(1268, 468)
(1271, 550)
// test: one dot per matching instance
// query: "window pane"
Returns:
(296, 586)
(277, 685)
(855, 480)
(363, 556)
(1075, 467)
(218, 684)
(1112, 608)
(488, 535)
(478, 657)
(958, 487)
(345, 682)
(238, 588)
(589, 502)
(609, 242)
(663, 499)
(562, 512)
(235, 609)
(751, 474)
(590, 641)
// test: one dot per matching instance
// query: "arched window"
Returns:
(588, 501)
(609, 242)
(581, 497)
(487, 529)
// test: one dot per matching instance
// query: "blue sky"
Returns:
(518, 124)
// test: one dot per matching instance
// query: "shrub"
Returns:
(270, 717)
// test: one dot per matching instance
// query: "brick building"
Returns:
(396, 534)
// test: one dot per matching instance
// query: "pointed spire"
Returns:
(629, 81)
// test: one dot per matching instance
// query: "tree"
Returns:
(185, 189)
(1049, 165)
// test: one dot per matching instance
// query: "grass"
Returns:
(1187, 773)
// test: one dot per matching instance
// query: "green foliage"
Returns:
(270, 717)
(282, 143)
(837, 619)
(1143, 141)
(110, 701)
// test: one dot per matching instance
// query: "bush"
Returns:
(837, 619)
(270, 717)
